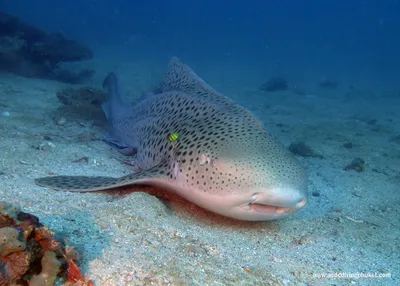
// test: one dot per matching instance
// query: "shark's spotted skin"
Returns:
(223, 159)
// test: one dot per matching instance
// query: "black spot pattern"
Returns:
(87, 184)
(221, 148)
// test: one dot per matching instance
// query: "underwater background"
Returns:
(346, 39)
(324, 78)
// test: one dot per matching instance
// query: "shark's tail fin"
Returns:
(114, 100)
(116, 108)
(111, 84)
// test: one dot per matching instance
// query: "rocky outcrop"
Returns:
(29, 51)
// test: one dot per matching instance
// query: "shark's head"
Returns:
(263, 183)
(244, 174)
(225, 159)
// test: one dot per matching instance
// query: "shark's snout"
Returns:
(274, 204)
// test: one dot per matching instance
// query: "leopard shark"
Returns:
(191, 140)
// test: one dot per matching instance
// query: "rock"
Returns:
(348, 145)
(358, 164)
(395, 139)
(61, 120)
(82, 96)
(46, 146)
(301, 149)
(81, 104)
(29, 51)
(275, 84)
(54, 48)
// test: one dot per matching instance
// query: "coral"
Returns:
(74, 276)
(7, 214)
(9, 241)
(50, 267)
(71, 253)
(30, 254)
(13, 267)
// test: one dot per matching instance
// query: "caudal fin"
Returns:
(114, 101)
(115, 109)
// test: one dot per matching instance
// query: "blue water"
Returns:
(236, 46)
(355, 40)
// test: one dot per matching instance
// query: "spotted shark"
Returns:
(191, 140)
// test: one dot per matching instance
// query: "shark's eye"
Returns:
(173, 136)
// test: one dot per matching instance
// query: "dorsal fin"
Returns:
(181, 77)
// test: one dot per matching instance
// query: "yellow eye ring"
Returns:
(173, 136)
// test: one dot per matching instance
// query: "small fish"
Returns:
(224, 161)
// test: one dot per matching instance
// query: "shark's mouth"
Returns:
(269, 209)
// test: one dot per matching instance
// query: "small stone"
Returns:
(348, 145)
(316, 194)
(246, 269)
(395, 139)
(5, 113)
(275, 84)
(61, 120)
(305, 239)
(358, 164)
(81, 160)
(46, 146)
(303, 150)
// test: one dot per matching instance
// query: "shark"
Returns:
(192, 140)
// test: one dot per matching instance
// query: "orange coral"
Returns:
(9, 242)
(30, 254)
(50, 267)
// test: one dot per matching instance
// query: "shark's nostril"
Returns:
(301, 203)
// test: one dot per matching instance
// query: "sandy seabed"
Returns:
(130, 236)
